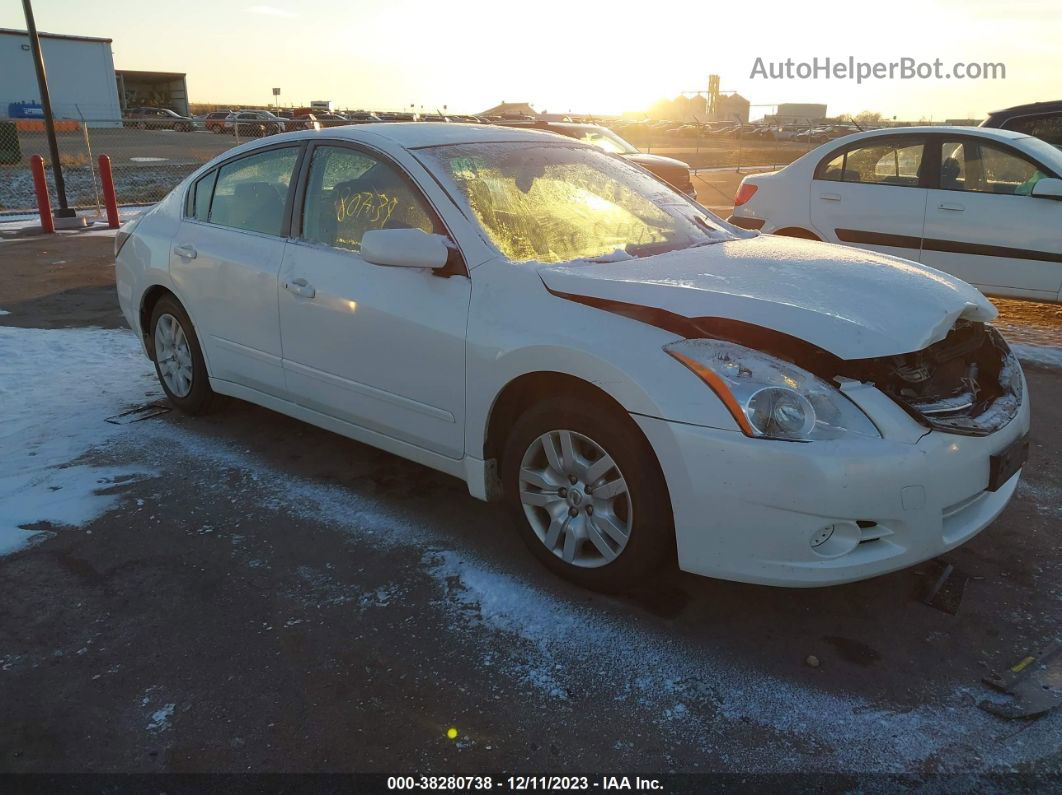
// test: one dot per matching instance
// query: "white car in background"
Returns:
(981, 204)
(563, 331)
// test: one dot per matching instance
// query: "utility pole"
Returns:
(46, 105)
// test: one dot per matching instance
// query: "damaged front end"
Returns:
(967, 383)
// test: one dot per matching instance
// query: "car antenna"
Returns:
(851, 118)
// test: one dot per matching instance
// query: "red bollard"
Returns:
(40, 185)
(109, 198)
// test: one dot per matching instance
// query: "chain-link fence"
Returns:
(700, 147)
(147, 159)
(151, 152)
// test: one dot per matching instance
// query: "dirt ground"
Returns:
(266, 596)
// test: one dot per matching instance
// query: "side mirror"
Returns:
(404, 248)
(1048, 188)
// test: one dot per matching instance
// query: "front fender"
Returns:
(542, 332)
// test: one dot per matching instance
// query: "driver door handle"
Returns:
(830, 197)
(300, 287)
(958, 208)
(187, 251)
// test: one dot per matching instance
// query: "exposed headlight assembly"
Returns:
(771, 398)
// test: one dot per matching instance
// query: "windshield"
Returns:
(553, 203)
(605, 139)
(1049, 154)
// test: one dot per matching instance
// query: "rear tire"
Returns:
(179, 362)
(586, 493)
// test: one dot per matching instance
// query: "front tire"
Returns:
(586, 494)
(179, 362)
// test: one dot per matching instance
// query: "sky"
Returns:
(572, 55)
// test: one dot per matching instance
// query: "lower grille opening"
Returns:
(872, 531)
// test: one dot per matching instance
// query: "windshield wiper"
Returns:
(652, 249)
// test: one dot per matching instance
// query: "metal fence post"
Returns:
(88, 148)
(44, 203)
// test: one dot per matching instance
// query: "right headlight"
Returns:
(771, 398)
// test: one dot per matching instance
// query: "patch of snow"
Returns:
(1040, 355)
(57, 387)
(160, 718)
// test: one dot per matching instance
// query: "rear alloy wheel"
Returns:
(173, 356)
(587, 495)
(178, 358)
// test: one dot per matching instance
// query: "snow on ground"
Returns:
(1041, 355)
(57, 387)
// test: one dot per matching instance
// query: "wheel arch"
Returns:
(797, 231)
(148, 300)
(525, 390)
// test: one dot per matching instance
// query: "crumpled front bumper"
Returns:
(750, 509)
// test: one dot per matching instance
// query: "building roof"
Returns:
(510, 107)
(143, 75)
(43, 35)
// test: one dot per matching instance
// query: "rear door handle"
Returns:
(830, 197)
(300, 287)
(187, 251)
(958, 208)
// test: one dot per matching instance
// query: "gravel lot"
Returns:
(242, 592)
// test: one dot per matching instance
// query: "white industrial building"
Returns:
(80, 71)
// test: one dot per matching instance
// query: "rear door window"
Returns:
(252, 193)
(888, 163)
(202, 191)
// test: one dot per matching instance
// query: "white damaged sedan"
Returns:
(563, 331)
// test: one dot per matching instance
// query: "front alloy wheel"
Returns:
(586, 493)
(575, 498)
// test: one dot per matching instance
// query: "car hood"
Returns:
(656, 161)
(853, 303)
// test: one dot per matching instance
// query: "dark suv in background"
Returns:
(674, 172)
(1040, 119)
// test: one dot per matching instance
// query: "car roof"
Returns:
(1029, 144)
(416, 135)
(985, 132)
